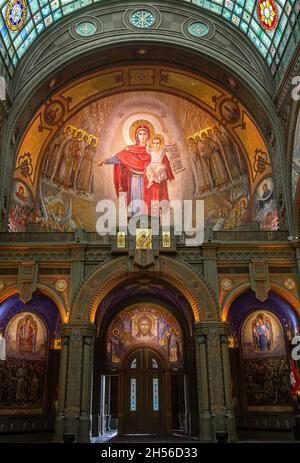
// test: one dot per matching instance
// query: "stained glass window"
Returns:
(142, 19)
(241, 14)
(133, 395)
(155, 397)
(154, 363)
(86, 28)
(133, 363)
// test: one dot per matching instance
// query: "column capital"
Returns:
(77, 329)
(210, 250)
(210, 327)
(201, 339)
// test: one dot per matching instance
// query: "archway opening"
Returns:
(261, 361)
(29, 364)
(146, 381)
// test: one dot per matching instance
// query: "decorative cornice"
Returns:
(18, 256)
(247, 254)
(285, 90)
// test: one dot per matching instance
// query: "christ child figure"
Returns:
(156, 171)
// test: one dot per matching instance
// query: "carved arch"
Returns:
(9, 291)
(275, 287)
(195, 289)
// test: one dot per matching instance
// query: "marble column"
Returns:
(205, 417)
(214, 391)
(231, 424)
(73, 418)
(62, 381)
(86, 392)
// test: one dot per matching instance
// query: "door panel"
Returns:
(133, 406)
(155, 390)
(144, 394)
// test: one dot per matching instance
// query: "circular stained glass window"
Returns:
(142, 19)
(16, 14)
(198, 29)
(267, 13)
(86, 28)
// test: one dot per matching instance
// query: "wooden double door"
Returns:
(144, 393)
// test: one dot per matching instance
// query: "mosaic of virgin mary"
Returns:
(135, 165)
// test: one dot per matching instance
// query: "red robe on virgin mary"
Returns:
(133, 160)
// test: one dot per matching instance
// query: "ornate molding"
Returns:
(221, 38)
(18, 256)
(105, 277)
(27, 280)
(232, 254)
(284, 92)
(189, 255)
(200, 293)
(92, 255)
(259, 278)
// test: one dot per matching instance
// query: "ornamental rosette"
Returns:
(267, 13)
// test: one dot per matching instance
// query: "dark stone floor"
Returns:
(244, 437)
(148, 439)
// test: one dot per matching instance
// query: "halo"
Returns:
(135, 125)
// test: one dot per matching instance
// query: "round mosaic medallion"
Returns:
(142, 19)
(61, 285)
(16, 14)
(198, 29)
(226, 284)
(54, 112)
(289, 283)
(86, 29)
(267, 13)
(230, 111)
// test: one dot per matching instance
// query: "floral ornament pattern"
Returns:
(290, 283)
(86, 29)
(260, 161)
(25, 165)
(16, 14)
(226, 284)
(267, 13)
(142, 19)
(198, 29)
(61, 285)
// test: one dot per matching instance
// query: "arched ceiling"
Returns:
(242, 14)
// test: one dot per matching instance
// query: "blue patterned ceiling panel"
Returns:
(242, 14)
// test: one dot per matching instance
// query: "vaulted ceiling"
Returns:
(275, 45)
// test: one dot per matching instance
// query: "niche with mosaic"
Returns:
(142, 325)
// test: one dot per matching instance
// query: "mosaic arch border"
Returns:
(11, 290)
(275, 287)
